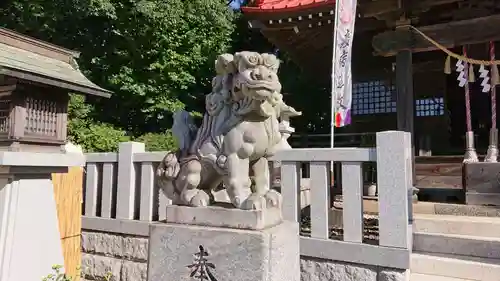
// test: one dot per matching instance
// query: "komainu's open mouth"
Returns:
(259, 85)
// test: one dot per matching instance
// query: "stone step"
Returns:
(425, 277)
(453, 266)
(461, 225)
(474, 246)
(370, 206)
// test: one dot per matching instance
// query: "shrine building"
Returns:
(399, 79)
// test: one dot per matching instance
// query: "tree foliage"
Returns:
(156, 56)
(92, 135)
(158, 141)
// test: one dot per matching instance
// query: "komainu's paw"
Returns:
(200, 199)
(273, 199)
(254, 202)
(168, 188)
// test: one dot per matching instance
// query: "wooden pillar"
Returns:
(405, 101)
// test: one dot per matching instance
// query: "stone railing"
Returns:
(393, 157)
(122, 185)
(121, 199)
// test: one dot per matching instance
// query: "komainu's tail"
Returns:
(184, 129)
(166, 173)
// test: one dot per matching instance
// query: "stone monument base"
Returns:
(223, 244)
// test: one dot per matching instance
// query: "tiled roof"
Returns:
(284, 5)
(17, 62)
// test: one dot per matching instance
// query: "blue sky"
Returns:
(236, 4)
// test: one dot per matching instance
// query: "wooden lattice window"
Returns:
(429, 107)
(5, 107)
(41, 117)
(373, 97)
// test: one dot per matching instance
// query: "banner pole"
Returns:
(343, 35)
(333, 92)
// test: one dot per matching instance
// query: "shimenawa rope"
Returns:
(450, 53)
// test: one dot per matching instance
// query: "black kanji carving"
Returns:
(201, 269)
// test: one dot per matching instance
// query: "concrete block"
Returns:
(463, 267)
(97, 267)
(457, 245)
(465, 210)
(134, 271)
(132, 248)
(102, 243)
(461, 225)
(87, 268)
(393, 275)
(179, 251)
(135, 248)
(320, 270)
(425, 277)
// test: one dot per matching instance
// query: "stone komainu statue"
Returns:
(239, 131)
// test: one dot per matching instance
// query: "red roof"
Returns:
(284, 5)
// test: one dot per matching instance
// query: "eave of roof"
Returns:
(277, 6)
(38, 68)
(20, 40)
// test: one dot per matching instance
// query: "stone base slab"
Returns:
(30, 242)
(188, 252)
(224, 217)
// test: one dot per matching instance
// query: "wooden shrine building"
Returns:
(41, 191)
(399, 80)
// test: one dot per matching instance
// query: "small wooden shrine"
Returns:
(399, 79)
(35, 79)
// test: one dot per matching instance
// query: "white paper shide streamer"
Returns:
(485, 83)
(461, 73)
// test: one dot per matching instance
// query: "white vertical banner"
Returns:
(345, 17)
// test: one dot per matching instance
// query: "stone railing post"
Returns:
(126, 179)
(286, 131)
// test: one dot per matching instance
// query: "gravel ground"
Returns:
(370, 229)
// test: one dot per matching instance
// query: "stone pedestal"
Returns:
(217, 244)
(30, 243)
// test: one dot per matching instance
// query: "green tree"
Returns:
(158, 141)
(93, 136)
(157, 56)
